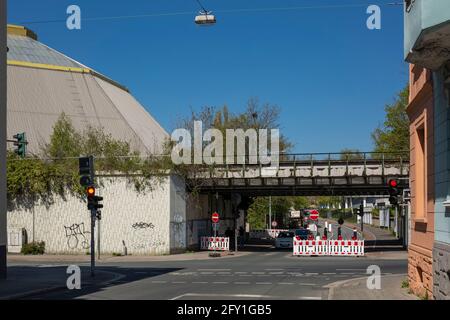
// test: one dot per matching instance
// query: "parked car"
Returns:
(302, 233)
(285, 239)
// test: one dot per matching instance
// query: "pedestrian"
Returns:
(241, 236)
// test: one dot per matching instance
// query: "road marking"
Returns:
(241, 272)
(220, 282)
(213, 269)
(348, 272)
(217, 295)
(241, 282)
(280, 272)
(311, 274)
(274, 269)
(199, 282)
(350, 269)
(263, 283)
(329, 273)
(310, 298)
(306, 284)
(258, 272)
(285, 283)
(206, 272)
(159, 281)
(270, 254)
(178, 282)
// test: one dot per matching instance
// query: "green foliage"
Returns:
(351, 154)
(393, 135)
(281, 207)
(33, 248)
(55, 171)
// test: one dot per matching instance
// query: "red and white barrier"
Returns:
(215, 243)
(310, 247)
(346, 247)
(328, 247)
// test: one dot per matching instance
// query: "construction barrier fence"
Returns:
(215, 243)
(341, 248)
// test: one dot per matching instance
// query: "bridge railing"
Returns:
(317, 165)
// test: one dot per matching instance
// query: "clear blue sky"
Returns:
(330, 75)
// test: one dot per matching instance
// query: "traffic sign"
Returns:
(314, 214)
(215, 217)
(274, 224)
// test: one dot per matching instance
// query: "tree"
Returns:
(351, 154)
(393, 135)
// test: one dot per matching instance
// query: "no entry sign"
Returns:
(215, 217)
(314, 215)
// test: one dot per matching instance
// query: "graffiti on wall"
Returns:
(77, 237)
(145, 237)
(179, 231)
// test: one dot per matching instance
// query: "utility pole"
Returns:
(3, 105)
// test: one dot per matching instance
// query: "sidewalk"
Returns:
(370, 232)
(24, 282)
(356, 289)
(47, 258)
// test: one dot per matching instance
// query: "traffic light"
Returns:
(86, 167)
(394, 192)
(361, 210)
(93, 200)
(21, 144)
(99, 215)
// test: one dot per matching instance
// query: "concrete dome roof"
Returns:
(43, 83)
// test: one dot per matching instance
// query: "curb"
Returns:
(334, 285)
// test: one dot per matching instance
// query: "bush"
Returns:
(33, 248)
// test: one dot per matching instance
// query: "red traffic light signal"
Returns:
(393, 183)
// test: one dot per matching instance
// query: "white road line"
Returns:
(310, 298)
(159, 281)
(241, 272)
(311, 274)
(273, 269)
(251, 296)
(213, 269)
(263, 283)
(258, 272)
(350, 269)
(206, 272)
(285, 283)
(329, 273)
(178, 282)
(306, 284)
(199, 282)
(241, 282)
(270, 254)
(276, 272)
(220, 282)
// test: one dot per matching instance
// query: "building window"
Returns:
(420, 173)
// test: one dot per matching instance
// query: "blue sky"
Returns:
(330, 75)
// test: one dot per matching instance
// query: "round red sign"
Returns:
(314, 215)
(215, 217)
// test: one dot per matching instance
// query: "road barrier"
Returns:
(266, 233)
(328, 247)
(215, 243)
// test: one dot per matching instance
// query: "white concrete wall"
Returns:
(150, 223)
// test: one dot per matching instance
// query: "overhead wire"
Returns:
(241, 10)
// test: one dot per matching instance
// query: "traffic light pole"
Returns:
(93, 217)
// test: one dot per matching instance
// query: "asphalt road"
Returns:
(266, 274)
